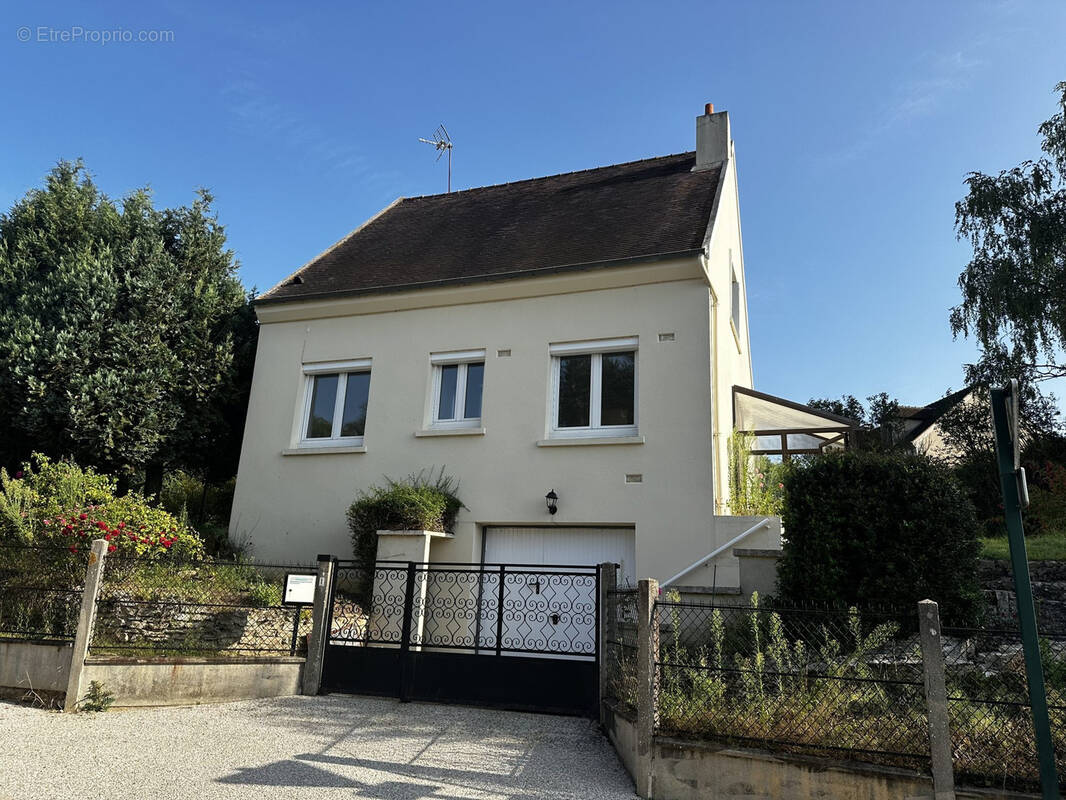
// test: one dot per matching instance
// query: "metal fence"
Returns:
(156, 607)
(808, 681)
(620, 648)
(491, 608)
(40, 592)
(988, 704)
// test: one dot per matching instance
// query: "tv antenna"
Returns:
(443, 144)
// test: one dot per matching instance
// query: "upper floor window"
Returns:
(594, 388)
(734, 299)
(335, 402)
(458, 379)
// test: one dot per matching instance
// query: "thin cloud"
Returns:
(256, 111)
(948, 73)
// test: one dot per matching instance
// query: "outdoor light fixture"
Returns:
(552, 499)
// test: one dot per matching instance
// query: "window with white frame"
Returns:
(594, 388)
(335, 402)
(734, 298)
(458, 379)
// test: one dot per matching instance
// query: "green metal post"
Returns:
(1012, 513)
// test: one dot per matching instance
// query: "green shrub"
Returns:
(419, 502)
(188, 497)
(59, 504)
(889, 529)
(755, 482)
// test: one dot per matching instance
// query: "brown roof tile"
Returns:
(578, 220)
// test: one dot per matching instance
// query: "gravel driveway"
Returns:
(305, 747)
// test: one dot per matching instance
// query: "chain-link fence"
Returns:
(988, 704)
(804, 681)
(620, 648)
(40, 592)
(160, 607)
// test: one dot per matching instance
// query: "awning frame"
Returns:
(842, 428)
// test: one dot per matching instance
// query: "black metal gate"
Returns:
(501, 635)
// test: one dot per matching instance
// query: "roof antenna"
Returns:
(442, 142)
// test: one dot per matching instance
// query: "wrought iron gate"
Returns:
(502, 635)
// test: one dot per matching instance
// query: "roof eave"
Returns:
(265, 299)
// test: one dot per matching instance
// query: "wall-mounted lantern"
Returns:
(552, 499)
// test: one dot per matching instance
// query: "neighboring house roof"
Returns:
(641, 210)
(927, 416)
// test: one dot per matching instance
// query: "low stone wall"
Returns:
(1049, 592)
(190, 681)
(38, 666)
(188, 626)
(684, 770)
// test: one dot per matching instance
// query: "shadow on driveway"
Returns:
(384, 749)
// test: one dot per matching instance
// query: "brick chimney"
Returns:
(712, 138)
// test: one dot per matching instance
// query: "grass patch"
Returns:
(1050, 546)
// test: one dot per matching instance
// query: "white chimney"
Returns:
(712, 138)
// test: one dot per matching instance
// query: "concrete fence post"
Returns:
(647, 680)
(936, 699)
(606, 632)
(94, 574)
(320, 620)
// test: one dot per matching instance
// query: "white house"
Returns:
(581, 333)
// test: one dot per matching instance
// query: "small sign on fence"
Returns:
(299, 590)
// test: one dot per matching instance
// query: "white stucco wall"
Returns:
(731, 352)
(292, 506)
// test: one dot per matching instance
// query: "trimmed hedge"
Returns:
(419, 502)
(879, 529)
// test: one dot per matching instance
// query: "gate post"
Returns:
(936, 700)
(647, 680)
(405, 634)
(94, 576)
(320, 624)
(606, 616)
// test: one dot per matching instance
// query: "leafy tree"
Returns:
(879, 421)
(1014, 288)
(124, 330)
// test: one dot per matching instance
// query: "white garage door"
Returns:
(573, 546)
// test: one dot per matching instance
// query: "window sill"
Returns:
(577, 441)
(427, 432)
(323, 451)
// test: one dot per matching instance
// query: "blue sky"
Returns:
(855, 124)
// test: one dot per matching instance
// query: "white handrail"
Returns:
(717, 552)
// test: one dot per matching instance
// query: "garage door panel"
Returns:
(557, 545)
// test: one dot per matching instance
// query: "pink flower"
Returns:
(18, 474)
(48, 522)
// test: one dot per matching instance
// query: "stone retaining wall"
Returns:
(1049, 592)
(128, 624)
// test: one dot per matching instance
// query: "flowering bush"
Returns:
(60, 504)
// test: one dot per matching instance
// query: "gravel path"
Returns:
(305, 747)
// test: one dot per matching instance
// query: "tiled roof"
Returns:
(929, 415)
(578, 220)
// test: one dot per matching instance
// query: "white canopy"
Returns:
(782, 427)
